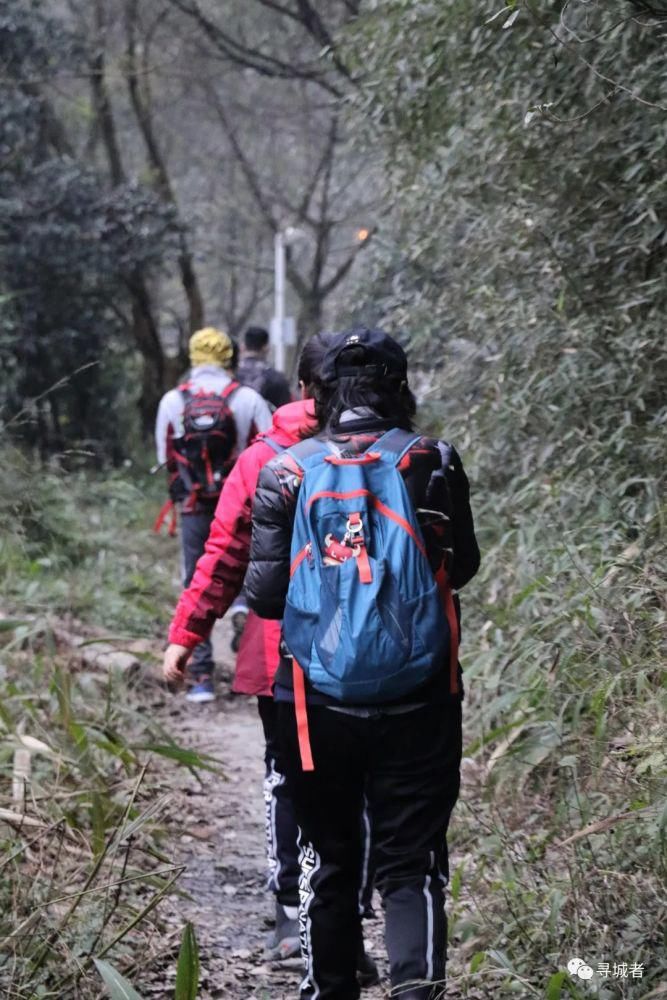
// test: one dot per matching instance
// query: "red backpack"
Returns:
(206, 451)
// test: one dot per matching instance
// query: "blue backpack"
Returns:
(365, 619)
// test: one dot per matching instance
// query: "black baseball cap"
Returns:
(383, 356)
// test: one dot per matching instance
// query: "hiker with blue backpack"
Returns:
(361, 537)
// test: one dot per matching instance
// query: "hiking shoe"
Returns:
(367, 970)
(238, 624)
(202, 690)
(284, 942)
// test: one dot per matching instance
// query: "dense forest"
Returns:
(486, 182)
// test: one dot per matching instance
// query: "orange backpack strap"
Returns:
(167, 508)
(453, 622)
(299, 682)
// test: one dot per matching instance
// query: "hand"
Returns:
(174, 663)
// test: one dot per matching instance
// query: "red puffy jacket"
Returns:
(219, 575)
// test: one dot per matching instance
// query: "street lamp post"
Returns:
(283, 331)
(279, 307)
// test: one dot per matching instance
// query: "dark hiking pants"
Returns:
(281, 826)
(281, 829)
(194, 534)
(407, 765)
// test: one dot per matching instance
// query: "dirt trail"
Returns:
(221, 841)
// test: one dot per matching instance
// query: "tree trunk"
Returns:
(148, 342)
(143, 112)
(58, 440)
(144, 327)
(309, 322)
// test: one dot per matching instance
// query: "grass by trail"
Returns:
(82, 545)
(83, 861)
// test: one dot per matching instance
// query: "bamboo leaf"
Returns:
(9, 624)
(477, 961)
(501, 959)
(512, 18)
(554, 986)
(98, 823)
(187, 970)
(119, 988)
(189, 758)
(35, 745)
(132, 828)
(455, 888)
(138, 917)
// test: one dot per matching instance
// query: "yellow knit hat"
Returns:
(210, 347)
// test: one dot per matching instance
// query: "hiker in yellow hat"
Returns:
(202, 426)
(210, 347)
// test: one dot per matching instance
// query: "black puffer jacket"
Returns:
(435, 480)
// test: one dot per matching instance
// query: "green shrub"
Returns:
(523, 253)
(81, 544)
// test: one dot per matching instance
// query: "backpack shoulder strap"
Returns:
(307, 450)
(278, 448)
(394, 443)
(229, 389)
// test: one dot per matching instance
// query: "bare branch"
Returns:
(575, 50)
(316, 27)
(328, 160)
(280, 9)
(653, 10)
(255, 59)
(323, 164)
(314, 24)
(297, 281)
(344, 268)
(249, 173)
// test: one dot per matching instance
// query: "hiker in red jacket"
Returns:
(217, 580)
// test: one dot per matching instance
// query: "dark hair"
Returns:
(256, 338)
(388, 396)
(312, 356)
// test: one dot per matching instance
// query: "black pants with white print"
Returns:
(281, 828)
(282, 832)
(407, 765)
